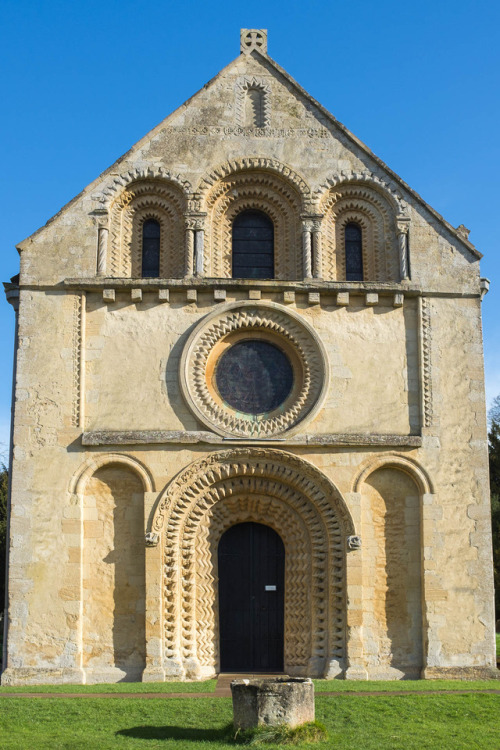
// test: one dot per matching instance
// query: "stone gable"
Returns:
(330, 393)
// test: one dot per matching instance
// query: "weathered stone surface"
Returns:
(157, 437)
(120, 490)
(272, 702)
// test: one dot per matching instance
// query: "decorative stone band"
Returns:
(159, 437)
(262, 320)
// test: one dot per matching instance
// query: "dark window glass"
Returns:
(150, 248)
(253, 246)
(353, 252)
(254, 377)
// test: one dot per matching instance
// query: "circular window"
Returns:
(253, 376)
(253, 370)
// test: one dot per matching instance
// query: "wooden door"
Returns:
(251, 599)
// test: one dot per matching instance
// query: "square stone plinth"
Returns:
(285, 700)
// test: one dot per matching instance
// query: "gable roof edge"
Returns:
(468, 245)
(91, 186)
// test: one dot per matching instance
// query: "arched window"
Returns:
(150, 248)
(254, 108)
(353, 252)
(253, 246)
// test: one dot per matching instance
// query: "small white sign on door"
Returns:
(270, 588)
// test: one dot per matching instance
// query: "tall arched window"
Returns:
(254, 108)
(353, 252)
(151, 248)
(253, 246)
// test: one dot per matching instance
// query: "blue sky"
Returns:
(418, 83)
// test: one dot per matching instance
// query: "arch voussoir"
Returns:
(271, 487)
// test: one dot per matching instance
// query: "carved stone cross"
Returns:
(251, 39)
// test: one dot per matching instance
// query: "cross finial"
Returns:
(251, 39)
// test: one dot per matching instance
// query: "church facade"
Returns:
(250, 429)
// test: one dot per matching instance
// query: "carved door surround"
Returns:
(265, 486)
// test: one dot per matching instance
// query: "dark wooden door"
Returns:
(251, 599)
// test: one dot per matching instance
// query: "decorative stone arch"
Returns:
(261, 190)
(259, 482)
(260, 163)
(400, 515)
(111, 192)
(160, 210)
(367, 178)
(286, 230)
(92, 464)
(395, 461)
(296, 539)
(156, 198)
(361, 214)
(243, 86)
(77, 501)
(380, 242)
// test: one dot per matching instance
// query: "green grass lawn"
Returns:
(208, 686)
(353, 686)
(451, 722)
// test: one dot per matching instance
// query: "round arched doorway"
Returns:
(251, 562)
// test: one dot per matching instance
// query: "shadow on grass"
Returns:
(192, 734)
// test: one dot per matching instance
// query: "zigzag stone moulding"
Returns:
(365, 176)
(266, 486)
(426, 363)
(110, 193)
(243, 86)
(78, 323)
(262, 191)
(259, 163)
(292, 529)
(375, 214)
(141, 200)
(264, 321)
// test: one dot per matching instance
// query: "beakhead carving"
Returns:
(266, 486)
(151, 539)
(354, 542)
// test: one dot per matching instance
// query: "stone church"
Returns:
(249, 425)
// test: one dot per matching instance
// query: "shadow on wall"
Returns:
(114, 573)
(396, 617)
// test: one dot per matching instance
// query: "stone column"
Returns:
(306, 249)
(316, 249)
(402, 229)
(154, 671)
(102, 250)
(189, 261)
(199, 251)
(356, 669)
